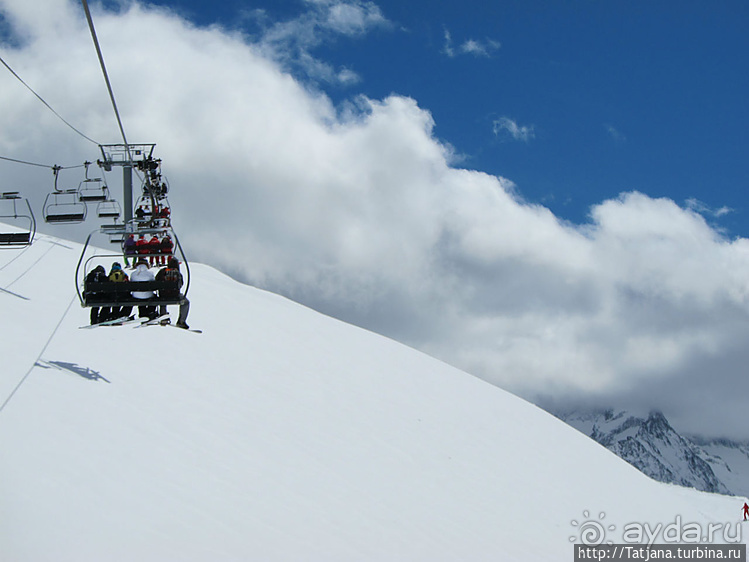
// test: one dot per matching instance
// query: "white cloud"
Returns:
(506, 126)
(615, 133)
(359, 211)
(448, 48)
(477, 48)
(699, 207)
(292, 42)
(351, 17)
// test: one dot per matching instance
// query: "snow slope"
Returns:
(278, 434)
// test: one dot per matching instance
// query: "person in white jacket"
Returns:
(143, 273)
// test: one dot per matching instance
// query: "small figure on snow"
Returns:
(745, 510)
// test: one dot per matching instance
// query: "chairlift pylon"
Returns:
(15, 212)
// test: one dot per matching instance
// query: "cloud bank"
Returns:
(359, 211)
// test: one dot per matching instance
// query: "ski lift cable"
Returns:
(41, 165)
(106, 75)
(60, 117)
(24, 162)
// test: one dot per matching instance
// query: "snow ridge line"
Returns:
(46, 345)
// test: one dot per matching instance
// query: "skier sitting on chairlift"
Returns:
(116, 275)
(142, 273)
(154, 249)
(98, 275)
(171, 273)
(167, 247)
(129, 249)
(141, 247)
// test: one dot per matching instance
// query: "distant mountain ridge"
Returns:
(653, 446)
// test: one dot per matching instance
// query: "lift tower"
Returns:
(126, 156)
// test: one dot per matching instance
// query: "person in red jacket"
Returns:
(164, 216)
(141, 247)
(746, 511)
(167, 247)
(154, 249)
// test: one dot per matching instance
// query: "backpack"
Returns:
(97, 277)
(173, 276)
(118, 276)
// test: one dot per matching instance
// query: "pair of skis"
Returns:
(166, 321)
(127, 320)
(113, 322)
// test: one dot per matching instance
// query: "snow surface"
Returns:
(278, 434)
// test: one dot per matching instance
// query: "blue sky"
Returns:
(574, 101)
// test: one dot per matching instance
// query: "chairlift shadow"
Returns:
(85, 372)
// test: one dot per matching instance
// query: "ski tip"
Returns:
(195, 331)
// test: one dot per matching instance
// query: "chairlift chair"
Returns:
(108, 209)
(16, 213)
(150, 211)
(116, 232)
(92, 190)
(62, 207)
(120, 294)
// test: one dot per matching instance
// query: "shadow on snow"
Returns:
(84, 372)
